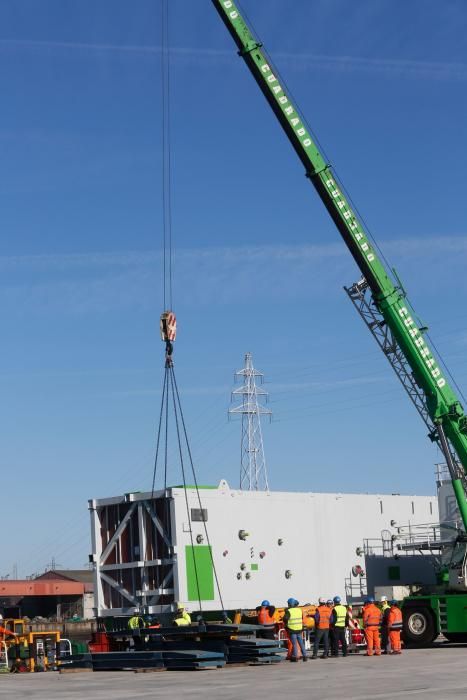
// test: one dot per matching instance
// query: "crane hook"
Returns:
(168, 329)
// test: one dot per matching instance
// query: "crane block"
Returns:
(168, 326)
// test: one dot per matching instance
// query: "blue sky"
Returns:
(258, 266)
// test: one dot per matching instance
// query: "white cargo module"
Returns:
(270, 545)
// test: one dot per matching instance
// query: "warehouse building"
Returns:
(61, 594)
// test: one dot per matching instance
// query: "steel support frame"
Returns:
(361, 297)
(142, 517)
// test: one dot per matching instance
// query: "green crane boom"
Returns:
(443, 405)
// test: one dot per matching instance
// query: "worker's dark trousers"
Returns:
(138, 643)
(384, 639)
(321, 635)
(297, 641)
(338, 635)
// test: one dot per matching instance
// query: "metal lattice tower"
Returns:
(253, 473)
(361, 297)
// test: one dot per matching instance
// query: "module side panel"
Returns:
(261, 545)
(267, 545)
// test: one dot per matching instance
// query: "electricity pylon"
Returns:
(253, 473)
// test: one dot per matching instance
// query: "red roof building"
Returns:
(58, 593)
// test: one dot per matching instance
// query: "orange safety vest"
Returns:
(372, 616)
(264, 617)
(324, 617)
(395, 619)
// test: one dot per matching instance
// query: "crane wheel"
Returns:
(419, 626)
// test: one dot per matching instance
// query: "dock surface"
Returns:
(419, 673)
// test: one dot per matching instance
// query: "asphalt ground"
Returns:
(418, 673)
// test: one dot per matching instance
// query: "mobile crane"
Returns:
(381, 300)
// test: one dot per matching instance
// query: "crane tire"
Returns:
(419, 628)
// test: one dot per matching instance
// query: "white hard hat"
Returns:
(383, 598)
(322, 601)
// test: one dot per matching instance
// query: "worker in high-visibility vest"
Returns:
(385, 607)
(322, 619)
(136, 622)
(395, 627)
(182, 617)
(339, 622)
(293, 621)
(372, 617)
(265, 617)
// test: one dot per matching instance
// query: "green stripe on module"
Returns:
(202, 557)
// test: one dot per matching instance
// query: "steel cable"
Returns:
(184, 485)
(166, 158)
(164, 389)
(197, 487)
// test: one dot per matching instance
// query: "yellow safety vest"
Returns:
(295, 619)
(135, 622)
(182, 621)
(341, 614)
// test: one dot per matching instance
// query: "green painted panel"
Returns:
(199, 571)
(457, 613)
(254, 567)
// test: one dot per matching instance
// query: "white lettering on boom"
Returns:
(294, 121)
(425, 351)
(345, 211)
